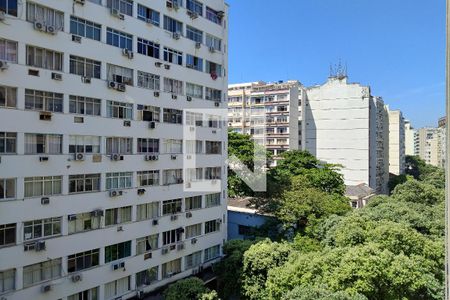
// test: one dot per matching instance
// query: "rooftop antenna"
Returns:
(338, 71)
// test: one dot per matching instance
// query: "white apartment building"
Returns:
(346, 125)
(270, 112)
(429, 144)
(409, 138)
(94, 195)
(396, 142)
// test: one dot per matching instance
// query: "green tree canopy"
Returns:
(418, 192)
(186, 289)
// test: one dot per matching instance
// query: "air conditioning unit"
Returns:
(128, 53)
(127, 123)
(119, 228)
(176, 6)
(116, 157)
(79, 156)
(192, 14)
(43, 158)
(216, 104)
(198, 45)
(169, 4)
(180, 246)
(115, 193)
(173, 217)
(112, 84)
(121, 87)
(155, 222)
(119, 265)
(116, 13)
(179, 180)
(71, 217)
(219, 221)
(212, 49)
(39, 26)
(152, 125)
(77, 277)
(151, 157)
(4, 65)
(97, 213)
(149, 21)
(189, 66)
(189, 215)
(76, 38)
(39, 246)
(51, 29)
(57, 76)
(158, 64)
(176, 35)
(46, 288)
(173, 157)
(79, 1)
(86, 79)
(141, 191)
(220, 14)
(194, 241)
(45, 116)
(189, 98)
(188, 185)
(167, 67)
(164, 251)
(45, 200)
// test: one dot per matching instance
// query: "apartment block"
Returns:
(346, 125)
(429, 144)
(409, 138)
(396, 142)
(95, 99)
(270, 112)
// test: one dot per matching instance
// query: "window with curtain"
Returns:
(84, 183)
(7, 280)
(43, 186)
(148, 178)
(174, 176)
(148, 80)
(8, 96)
(212, 199)
(85, 105)
(173, 25)
(148, 15)
(147, 145)
(173, 116)
(172, 146)
(85, 67)
(44, 58)
(8, 142)
(173, 86)
(146, 244)
(43, 143)
(120, 145)
(192, 203)
(120, 74)
(194, 174)
(124, 6)
(171, 268)
(84, 144)
(43, 101)
(194, 90)
(119, 180)
(146, 277)
(37, 229)
(47, 270)
(193, 230)
(172, 206)
(119, 110)
(114, 216)
(91, 294)
(147, 211)
(117, 287)
(193, 260)
(212, 252)
(84, 222)
(8, 50)
(46, 15)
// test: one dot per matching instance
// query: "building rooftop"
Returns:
(360, 191)
(244, 205)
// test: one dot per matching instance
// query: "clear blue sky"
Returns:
(395, 46)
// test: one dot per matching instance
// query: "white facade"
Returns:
(429, 144)
(97, 245)
(396, 142)
(409, 138)
(346, 125)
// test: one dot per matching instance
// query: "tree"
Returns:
(395, 180)
(436, 178)
(417, 167)
(212, 295)
(186, 289)
(309, 292)
(418, 192)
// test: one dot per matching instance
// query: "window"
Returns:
(244, 230)
(91, 294)
(8, 142)
(194, 62)
(148, 15)
(213, 42)
(213, 16)
(193, 230)
(194, 174)
(9, 7)
(173, 56)
(7, 236)
(173, 86)
(213, 121)
(148, 48)
(213, 94)
(192, 203)
(117, 251)
(172, 236)
(84, 105)
(173, 176)
(173, 146)
(47, 270)
(43, 101)
(119, 39)
(148, 178)
(212, 173)
(43, 186)
(146, 244)
(83, 260)
(171, 268)
(147, 211)
(194, 34)
(119, 145)
(148, 113)
(84, 222)
(114, 216)
(212, 252)
(194, 119)
(174, 116)
(213, 147)
(212, 226)
(7, 280)
(85, 28)
(117, 287)
(124, 6)
(119, 180)
(193, 260)
(194, 6)
(147, 145)
(171, 206)
(146, 277)
(213, 69)
(120, 74)
(84, 183)
(8, 96)
(46, 15)
(148, 81)
(84, 144)
(172, 25)
(44, 58)
(84, 67)
(212, 200)
(8, 50)
(43, 143)
(41, 228)
(119, 110)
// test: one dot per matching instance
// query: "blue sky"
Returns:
(395, 46)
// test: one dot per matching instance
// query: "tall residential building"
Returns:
(94, 200)
(396, 142)
(269, 112)
(409, 138)
(442, 131)
(347, 125)
(427, 144)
